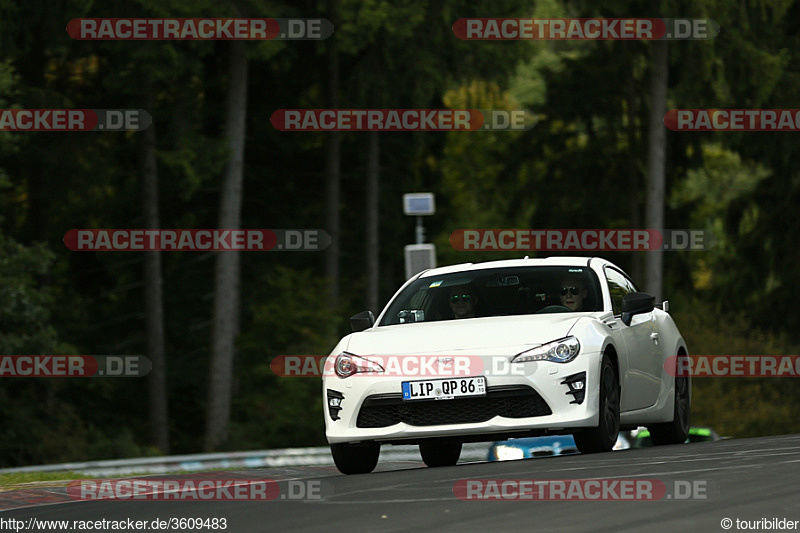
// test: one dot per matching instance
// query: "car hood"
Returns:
(477, 336)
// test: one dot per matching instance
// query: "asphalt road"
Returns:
(745, 479)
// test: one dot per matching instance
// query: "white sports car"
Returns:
(489, 351)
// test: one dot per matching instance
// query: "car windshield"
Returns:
(496, 292)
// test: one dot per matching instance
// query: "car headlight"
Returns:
(558, 351)
(348, 364)
(508, 453)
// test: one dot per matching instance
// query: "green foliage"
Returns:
(289, 317)
(42, 423)
(476, 190)
(723, 179)
(707, 194)
(582, 165)
(288, 312)
(42, 420)
(737, 406)
(25, 319)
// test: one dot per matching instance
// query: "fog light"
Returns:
(334, 403)
(577, 386)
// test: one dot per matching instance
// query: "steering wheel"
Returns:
(554, 309)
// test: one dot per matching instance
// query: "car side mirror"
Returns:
(362, 321)
(636, 303)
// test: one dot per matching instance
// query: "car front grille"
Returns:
(514, 401)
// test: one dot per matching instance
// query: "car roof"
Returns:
(507, 263)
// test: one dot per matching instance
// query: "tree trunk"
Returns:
(153, 299)
(656, 159)
(634, 179)
(373, 197)
(333, 175)
(227, 274)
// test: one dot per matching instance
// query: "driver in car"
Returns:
(572, 294)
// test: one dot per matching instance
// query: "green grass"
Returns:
(9, 480)
(38, 477)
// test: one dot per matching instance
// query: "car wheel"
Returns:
(603, 437)
(440, 452)
(677, 431)
(356, 458)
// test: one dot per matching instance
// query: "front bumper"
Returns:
(370, 406)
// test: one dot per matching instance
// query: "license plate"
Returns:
(444, 389)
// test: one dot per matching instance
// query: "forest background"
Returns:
(212, 322)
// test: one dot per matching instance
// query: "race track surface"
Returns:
(745, 479)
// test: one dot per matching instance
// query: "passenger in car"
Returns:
(463, 301)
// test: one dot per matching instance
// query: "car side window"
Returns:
(618, 286)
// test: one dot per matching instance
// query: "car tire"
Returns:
(677, 431)
(356, 458)
(604, 436)
(440, 452)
